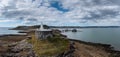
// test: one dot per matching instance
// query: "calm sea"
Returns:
(98, 35)
(5, 30)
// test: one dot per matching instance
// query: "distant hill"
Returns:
(29, 27)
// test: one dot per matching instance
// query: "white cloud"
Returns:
(79, 11)
(6, 20)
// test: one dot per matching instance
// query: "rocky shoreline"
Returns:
(107, 47)
(16, 48)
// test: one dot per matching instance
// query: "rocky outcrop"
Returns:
(19, 49)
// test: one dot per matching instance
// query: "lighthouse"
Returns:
(43, 32)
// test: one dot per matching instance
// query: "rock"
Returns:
(20, 49)
(29, 37)
(74, 30)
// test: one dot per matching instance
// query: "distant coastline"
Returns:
(85, 26)
(37, 26)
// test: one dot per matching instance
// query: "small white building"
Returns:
(43, 33)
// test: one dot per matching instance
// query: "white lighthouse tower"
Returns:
(43, 33)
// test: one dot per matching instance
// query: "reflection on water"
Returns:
(97, 35)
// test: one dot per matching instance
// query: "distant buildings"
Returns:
(43, 32)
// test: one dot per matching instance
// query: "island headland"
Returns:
(57, 46)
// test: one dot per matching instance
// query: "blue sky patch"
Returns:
(58, 6)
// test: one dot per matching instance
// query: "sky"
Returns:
(60, 12)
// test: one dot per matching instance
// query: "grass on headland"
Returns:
(50, 46)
